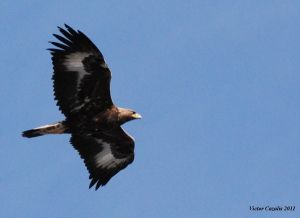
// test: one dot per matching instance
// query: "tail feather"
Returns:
(56, 128)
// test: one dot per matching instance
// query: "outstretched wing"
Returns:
(104, 154)
(81, 77)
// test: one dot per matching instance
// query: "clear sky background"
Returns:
(217, 83)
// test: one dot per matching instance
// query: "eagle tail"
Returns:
(56, 128)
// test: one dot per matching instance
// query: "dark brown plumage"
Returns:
(81, 82)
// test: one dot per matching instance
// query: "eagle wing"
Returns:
(81, 77)
(104, 153)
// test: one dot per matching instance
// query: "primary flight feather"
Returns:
(81, 82)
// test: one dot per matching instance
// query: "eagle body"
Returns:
(81, 82)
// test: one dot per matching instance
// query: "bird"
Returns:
(81, 85)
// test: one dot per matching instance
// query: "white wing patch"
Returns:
(105, 159)
(73, 62)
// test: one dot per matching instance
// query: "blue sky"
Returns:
(217, 83)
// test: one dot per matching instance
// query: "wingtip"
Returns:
(60, 28)
(31, 133)
(93, 181)
(54, 50)
(98, 185)
(68, 27)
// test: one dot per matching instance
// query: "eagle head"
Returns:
(125, 115)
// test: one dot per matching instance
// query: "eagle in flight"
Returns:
(81, 82)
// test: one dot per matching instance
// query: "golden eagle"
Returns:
(81, 82)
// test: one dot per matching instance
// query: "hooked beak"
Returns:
(136, 116)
